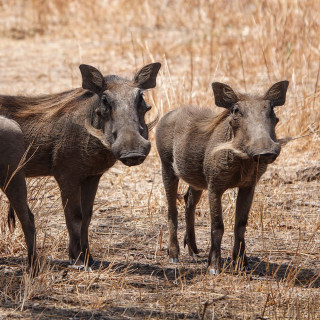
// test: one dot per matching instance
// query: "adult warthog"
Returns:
(76, 136)
(218, 152)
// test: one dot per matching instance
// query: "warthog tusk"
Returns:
(97, 134)
(154, 122)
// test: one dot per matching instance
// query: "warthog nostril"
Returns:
(267, 157)
(115, 135)
(132, 159)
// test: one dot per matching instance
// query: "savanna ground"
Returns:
(247, 44)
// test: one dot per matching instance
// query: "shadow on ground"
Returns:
(304, 277)
(261, 270)
(111, 312)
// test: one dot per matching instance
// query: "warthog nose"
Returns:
(132, 158)
(266, 157)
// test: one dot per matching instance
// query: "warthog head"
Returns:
(118, 117)
(253, 120)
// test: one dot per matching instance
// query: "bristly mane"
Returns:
(46, 106)
(205, 120)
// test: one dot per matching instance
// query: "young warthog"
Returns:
(218, 152)
(12, 180)
(77, 135)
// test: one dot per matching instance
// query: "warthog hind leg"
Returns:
(16, 192)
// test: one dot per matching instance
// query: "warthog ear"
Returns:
(224, 96)
(277, 93)
(146, 77)
(92, 79)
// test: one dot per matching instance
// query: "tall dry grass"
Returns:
(249, 45)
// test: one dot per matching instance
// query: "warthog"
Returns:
(218, 152)
(12, 179)
(76, 136)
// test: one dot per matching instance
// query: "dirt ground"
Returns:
(248, 45)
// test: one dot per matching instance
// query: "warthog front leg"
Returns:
(71, 200)
(170, 182)
(89, 188)
(191, 199)
(244, 201)
(16, 192)
(217, 229)
(77, 198)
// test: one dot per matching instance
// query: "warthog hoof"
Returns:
(247, 268)
(80, 267)
(214, 271)
(241, 267)
(34, 269)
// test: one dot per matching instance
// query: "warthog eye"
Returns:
(104, 100)
(140, 97)
(142, 105)
(235, 110)
(105, 106)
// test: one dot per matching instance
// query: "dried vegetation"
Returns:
(248, 44)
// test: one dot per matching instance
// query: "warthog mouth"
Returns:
(266, 158)
(132, 158)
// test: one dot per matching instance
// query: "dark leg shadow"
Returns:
(299, 276)
(303, 277)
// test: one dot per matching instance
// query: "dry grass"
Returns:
(248, 44)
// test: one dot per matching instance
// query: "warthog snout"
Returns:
(264, 150)
(265, 154)
(132, 158)
(131, 148)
